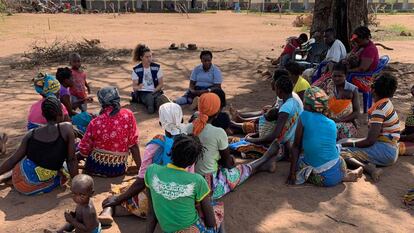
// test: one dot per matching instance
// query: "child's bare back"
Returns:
(84, 219)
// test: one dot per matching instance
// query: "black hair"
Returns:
(385, 85)
(285, 84)
(221, 95)
(63, 73)
(330, 30)
(186, 150)
(51, 108)
(363, 32)
(222, 121)
(206, 52)
(139, 51)
(340, 66)
(294, 68)
(278, 73)
(303, 37)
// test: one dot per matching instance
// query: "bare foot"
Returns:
(269, 166)
(353, 175)
(234, 114)
(105, 217)
(373, 171)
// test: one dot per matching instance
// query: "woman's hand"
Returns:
(111, 201)
(266, 108)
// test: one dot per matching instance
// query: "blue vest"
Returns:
(139, 70)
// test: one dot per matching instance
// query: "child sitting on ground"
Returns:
(406, 146)
(80, 86)
(84, 219)
(175, 193)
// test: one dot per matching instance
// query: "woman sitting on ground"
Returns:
(147, 80)
(179, 200)
(110, 137)
(315, 134)
(283, 123)
(132, 197)
(300, 85)
(406, 145)
(380, 146)
(38, 163)
(80, 120)
(344, 103)
(204, 79)
(217, 165)
(45, 85)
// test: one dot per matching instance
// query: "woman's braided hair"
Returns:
(51, 108)
(285, 84)
(186, 150)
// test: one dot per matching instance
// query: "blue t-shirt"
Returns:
(206, 79)
(294, 108)
(319, 138)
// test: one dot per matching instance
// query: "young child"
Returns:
(84, 219)
(80, 89)
(174, 193)
(406, 146)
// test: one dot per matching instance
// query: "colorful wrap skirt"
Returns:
(30, 179)
(406, 148)
(136, 205)
(226, 180)
(199, 227)
(409, 199)
(381, 153)
(326, 175)
(106, 163)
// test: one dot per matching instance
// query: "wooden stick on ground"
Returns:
(340, 221)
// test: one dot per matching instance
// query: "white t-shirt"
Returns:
(148, 84)
(336, 52)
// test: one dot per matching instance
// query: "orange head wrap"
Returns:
(208, 105)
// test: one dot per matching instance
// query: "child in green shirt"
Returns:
(174, 192)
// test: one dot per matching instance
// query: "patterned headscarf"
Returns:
(171, 117)
(208, 105)
(317, 99)
(109, 97)
(46, 85)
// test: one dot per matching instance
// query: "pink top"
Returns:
(36, 116)
(146, 160)
(79, 84)
(112, 133)
(370, 51)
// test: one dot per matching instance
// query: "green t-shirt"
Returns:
(174, 192)
(214, 140)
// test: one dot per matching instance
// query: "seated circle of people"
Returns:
(192, 166)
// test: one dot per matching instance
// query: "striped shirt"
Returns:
(383, 112)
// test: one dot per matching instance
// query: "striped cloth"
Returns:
(383, 112)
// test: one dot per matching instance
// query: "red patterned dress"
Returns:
(107, 141)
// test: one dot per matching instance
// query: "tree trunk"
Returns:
(342, 15)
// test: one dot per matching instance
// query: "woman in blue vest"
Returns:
(147, 80)
(132, 197)
(204, 78)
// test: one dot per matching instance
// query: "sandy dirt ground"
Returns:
(264, 203)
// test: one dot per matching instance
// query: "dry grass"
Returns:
(58, 51)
